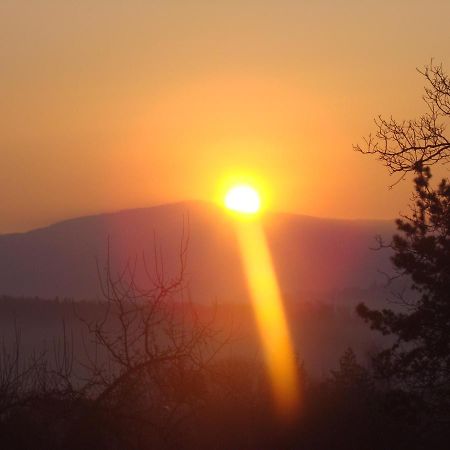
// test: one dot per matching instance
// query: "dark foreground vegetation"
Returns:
(227, 406)
(184, 398)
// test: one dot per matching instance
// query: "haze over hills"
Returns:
(309, 254)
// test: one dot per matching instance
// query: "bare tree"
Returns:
(408, 145)
(152, 349)
(34, 381)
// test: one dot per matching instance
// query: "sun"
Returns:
(243, 199)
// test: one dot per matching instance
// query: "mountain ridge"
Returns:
(192, 202)
(308, 252)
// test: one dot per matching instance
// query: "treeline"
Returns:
(220, 405)
(323, 326)
(154, 372)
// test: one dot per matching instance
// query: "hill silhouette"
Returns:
(310, 254)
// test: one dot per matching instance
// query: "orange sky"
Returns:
(111, 104)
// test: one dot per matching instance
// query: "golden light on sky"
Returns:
(109, 105)
(243, 199)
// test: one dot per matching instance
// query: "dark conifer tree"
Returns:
(419, 359)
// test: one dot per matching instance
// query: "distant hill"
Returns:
(310, 254)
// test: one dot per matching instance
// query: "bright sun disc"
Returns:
(243, 199)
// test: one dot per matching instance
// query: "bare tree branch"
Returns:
(408, 145)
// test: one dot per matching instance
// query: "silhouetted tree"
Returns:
(408, 145)
(415, 369)
(420, 356)
(156, 353)
(351, 376)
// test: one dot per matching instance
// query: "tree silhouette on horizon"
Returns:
(417, 363)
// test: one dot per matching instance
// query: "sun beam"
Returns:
(267, 300)
(270, 317)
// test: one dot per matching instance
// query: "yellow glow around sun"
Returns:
(243, 199)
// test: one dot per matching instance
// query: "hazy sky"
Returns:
(108, 104)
